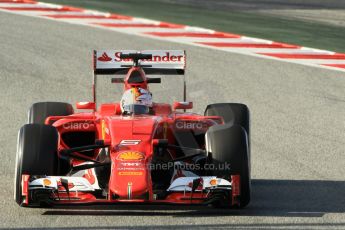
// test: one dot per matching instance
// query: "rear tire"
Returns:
(232, 113)
(228, 144)
(36, 154)
(40, 111)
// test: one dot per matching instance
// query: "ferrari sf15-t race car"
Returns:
(134, 153)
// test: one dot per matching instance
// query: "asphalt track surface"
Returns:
(298, 128)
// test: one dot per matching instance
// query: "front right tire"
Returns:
(228, 146)
(39, 111)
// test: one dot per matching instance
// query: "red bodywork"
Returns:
(130, 139)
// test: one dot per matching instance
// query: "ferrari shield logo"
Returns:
(131, 156)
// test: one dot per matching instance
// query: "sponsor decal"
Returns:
(46, 182)
(213, 182)
(188, 125)
(155, 58)
(130, 164)
(104, 58)
(103, 127)
(78, 125)
(130, 173)
(130, 142)
(131, 156)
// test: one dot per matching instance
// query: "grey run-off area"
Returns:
(330, 12)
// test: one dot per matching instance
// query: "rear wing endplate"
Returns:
(164, 62)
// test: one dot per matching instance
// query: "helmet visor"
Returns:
(136, 109)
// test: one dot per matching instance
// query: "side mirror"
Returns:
(162, 143)
(86, 105)
(183, 105)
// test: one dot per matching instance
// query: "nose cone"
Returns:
(129, 176)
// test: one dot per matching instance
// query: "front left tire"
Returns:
(36, 154)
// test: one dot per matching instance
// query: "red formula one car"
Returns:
(134, 152)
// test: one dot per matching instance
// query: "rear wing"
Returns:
(167, 62)
(161, 62)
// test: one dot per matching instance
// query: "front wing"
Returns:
(55, 190)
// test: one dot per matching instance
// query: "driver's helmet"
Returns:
(136, 101)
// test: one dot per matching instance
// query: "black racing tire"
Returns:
(228, 144)
(36, 154)
(41, 110)
(38, 113)
(232, 113)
